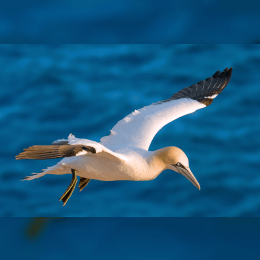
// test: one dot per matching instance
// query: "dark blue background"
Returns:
(128, 21)
(50, 91)
(130, 238)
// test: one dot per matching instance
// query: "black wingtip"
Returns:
(226, 73)
(217, 73)
(214, 85)
(230, 72)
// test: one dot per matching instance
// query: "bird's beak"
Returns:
(186, 172)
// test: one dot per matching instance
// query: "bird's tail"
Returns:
(56, 169)
(33, 176)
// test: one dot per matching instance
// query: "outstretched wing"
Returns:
(139, 128)
(67, 148)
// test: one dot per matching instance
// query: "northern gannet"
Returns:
(124, 155)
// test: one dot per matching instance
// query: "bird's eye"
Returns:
(178, 164)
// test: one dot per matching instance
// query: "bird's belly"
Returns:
(103, 169)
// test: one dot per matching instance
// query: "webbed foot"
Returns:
(66, 195)
(83, 183)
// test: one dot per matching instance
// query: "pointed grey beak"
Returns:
(186, 172)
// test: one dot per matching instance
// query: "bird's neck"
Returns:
(156, 164)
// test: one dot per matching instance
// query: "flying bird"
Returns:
(124, 154)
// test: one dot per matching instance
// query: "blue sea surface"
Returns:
(130, 238)
(115, 21)
(50, 91)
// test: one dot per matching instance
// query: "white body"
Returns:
(103, 166)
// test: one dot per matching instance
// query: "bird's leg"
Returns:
(83, 183)
(66, 195)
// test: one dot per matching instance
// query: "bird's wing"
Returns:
(139, 128)
(88, 146)
(68, 148)
(94, 147)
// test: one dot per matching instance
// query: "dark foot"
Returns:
(66, 195)
(83, 183)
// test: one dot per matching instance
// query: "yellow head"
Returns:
(175, 159)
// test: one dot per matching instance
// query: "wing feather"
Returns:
(139, 128)
(93, 147)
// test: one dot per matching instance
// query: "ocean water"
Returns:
(50, 91)
(130, 238)
(149, 21)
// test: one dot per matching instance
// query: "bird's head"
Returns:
(176, 160)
